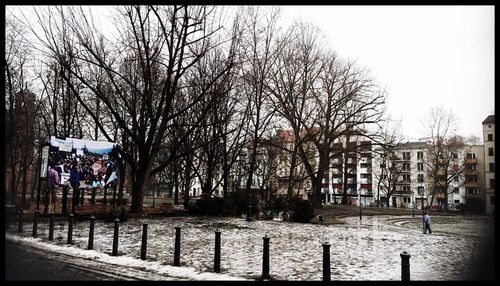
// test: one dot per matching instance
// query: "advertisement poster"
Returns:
(90, 161)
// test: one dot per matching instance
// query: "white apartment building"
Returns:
(489, 163)
(400, 174)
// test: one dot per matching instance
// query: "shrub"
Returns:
(278, 204)
(120, 213)
(302, 210)
(209, 206)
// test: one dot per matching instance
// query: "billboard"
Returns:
(96, 160)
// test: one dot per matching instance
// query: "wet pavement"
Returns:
(460, 248)
(27, 264)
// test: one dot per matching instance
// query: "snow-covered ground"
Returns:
(360, 250)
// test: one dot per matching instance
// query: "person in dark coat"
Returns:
(74, 180)
(427, 222)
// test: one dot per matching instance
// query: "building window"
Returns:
(470, 167)
(492, 183)
(471, 191)
(490, 137)
(470, 179)
(406, 166)
(420, 191)
(406, 155)
(420, 155)
(457, 202)
(492, 200)
(420, 166)
(490, 151)
(471, 155)
(455, 190)
(455, 179)
(420, 178)
(492, 167)
(406, 178)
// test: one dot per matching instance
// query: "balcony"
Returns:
(471, 184)
(470, 172)
(472, 161)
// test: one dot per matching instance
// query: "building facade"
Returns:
(489, 163)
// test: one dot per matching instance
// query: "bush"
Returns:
(302, 210)
(208, 206)
(278, 204)
(237, 202)
(120, 213)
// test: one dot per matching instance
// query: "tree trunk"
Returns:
(13, 183)
(187, 183)
(24, 185)
(121, 181)
(138, 188)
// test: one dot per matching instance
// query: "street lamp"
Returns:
(423, 222)
(413, 202)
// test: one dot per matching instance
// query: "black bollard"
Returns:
(92, 198)
(46, 202)
(177, 246)
(405, 266)
(115, 238)
(326, 262)
(20, 221)
(423, 222)
(114, 197)
(360, 213)
(217, 252)
(144, 241)
(35, 223)
(51, 227)
(321, 219)
(74, 201)
(70, 228)
(65, 200)
(91, 233)
(265, 259)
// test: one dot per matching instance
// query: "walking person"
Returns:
(52, 184)
(74, 180)
(427, 222)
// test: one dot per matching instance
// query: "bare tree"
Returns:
(445, 161)
(385, 174)
(20, 107)
(145, 72)
(258, 57)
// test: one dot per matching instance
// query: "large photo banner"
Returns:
(83, 163)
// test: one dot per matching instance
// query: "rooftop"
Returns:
(489, 119)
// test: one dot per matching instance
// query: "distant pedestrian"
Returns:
(52, 184)
(427, 222)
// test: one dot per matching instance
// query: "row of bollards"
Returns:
(405, 257)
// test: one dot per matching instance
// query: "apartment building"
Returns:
(350, 171)
(399, 175)
(489, 163)
(474, 175)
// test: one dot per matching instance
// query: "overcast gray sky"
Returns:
(425, 56)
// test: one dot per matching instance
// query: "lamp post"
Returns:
(423, 222)
(413, 200)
